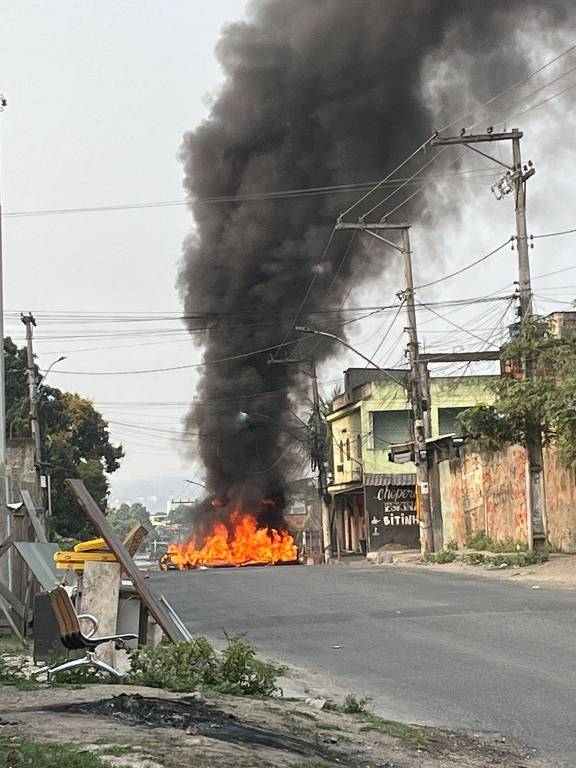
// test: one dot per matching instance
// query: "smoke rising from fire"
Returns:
(316, 93)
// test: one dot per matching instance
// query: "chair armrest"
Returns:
(93, 619)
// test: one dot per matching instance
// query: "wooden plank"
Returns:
(6, 544)
(36, 524)
(97, 518)
(12, 600)
(6, 611)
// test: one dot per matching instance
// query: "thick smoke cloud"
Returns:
(316, 92)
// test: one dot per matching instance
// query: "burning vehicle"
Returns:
(233, 538)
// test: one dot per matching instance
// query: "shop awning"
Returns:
(401, 478)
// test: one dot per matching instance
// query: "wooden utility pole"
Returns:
(415, 388)
(30, 322)
(514, 182)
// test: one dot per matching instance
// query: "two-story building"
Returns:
(375, 499)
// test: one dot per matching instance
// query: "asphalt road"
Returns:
(429, 647)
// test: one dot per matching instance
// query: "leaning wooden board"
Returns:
(97, 518)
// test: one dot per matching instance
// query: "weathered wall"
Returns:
(486, 491)
(483, 491)
(560, 490)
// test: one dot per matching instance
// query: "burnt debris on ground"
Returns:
(196, 716)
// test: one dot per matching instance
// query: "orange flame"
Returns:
(243, 544)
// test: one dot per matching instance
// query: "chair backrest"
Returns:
(66, 617)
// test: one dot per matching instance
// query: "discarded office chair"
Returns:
(74, 639)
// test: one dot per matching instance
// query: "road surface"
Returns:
(434, 648)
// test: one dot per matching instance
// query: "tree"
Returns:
(545, 402)
(180, 515)
(75, 442)
(124, 517)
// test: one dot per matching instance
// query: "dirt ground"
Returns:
(558, 571)
(224, 731)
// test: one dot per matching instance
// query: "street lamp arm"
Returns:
(42, 382)
(305, 329)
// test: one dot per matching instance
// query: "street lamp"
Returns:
(41, 383)
(244, 417)
(305, 329)
(195, 482)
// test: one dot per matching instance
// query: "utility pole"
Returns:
(415, 387)
(317, 453)
(514, 182)
(4, 513)
(320, 457)
(30, 322)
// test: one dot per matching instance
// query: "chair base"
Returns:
(89, 660)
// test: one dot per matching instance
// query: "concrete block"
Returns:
(100, 593)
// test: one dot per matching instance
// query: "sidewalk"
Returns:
(559, 570)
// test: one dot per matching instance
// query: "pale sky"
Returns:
(99, 96)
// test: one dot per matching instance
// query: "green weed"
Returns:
(188, 666)
(482, 542)
(22, 753)
(440, 558)
(11, 673)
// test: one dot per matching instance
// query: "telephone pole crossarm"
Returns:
(473, 138)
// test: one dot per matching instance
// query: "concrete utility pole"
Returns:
(514, 182)
(415, 388)
(30, 323)
(4, 479)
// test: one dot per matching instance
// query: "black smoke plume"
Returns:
(316, 93)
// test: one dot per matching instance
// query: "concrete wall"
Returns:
(487, 491)
(347, 427)
(484, 491)
(560, 490)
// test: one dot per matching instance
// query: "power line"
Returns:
(460, 328)
(510, 88)
(553, 234)
(529, 95)
(467, 267)
(175, 367)
(248, 197)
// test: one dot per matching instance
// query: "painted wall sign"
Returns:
(391, 515)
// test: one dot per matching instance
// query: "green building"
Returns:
(375, 499)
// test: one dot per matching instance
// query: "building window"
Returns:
(341, 452)
(447, 421)
(390, 427)
(348, 448)
(359, 448)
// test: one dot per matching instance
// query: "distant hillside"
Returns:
(154, 492)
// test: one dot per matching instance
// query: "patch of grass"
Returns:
(118, 750)
(440, 558)
(305, 715)
(328, 727)
(11, 645)
(189, 666)
(22, 753)
(356, 705)
(409, 735)
(76, 679)
(452, 544)
(520, 559)
(482, 542)
(314, 764)
(11, 673)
